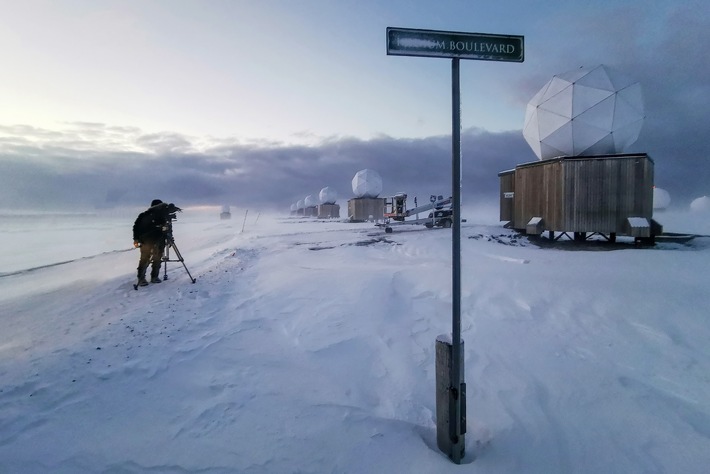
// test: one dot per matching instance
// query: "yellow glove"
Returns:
(136, 244)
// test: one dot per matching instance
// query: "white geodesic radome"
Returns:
(300, 204)
(367, 183)
(701, 204)
(294, 207)
(328, 195)
(310, 201)
(661, 198)
(588, 111)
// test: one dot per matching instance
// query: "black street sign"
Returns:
(452, 44)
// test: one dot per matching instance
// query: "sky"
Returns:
(309, 346)
(259, 104)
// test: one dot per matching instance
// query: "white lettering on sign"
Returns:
(474, 47)
(421, 43)
(451, 44)
(508, 195)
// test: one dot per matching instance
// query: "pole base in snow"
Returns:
(450, 403)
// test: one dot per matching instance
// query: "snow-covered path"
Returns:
(309, 347)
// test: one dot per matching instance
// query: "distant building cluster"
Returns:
(366, 205)
(322, 207)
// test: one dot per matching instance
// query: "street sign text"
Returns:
(451, 44)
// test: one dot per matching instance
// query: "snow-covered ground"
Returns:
(309, 346)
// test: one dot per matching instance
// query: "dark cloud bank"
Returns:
(256, 176)
(273, 176)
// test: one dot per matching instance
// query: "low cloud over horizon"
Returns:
(91, 166)
(94, 166)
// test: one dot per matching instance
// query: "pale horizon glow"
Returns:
(275, 71)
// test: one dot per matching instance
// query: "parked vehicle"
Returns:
(440, 218)
(396, 212)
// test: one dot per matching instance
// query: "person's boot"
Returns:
(141, 278)
(155, 276)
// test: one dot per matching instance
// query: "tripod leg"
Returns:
(166, 258)
(182, 260)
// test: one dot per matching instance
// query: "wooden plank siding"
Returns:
(592, 195)
(538, 193)
(362, 209)
(507, 185)
(583, 194)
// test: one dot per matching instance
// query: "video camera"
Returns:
(172, 210)
(167, 211)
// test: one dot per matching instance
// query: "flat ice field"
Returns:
(308, 346)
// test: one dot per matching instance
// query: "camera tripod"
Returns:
(170, 243)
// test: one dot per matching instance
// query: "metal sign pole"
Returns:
(455, 424)
(450, 384)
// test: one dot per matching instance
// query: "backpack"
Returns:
(148, 224)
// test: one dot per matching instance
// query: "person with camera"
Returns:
(149, 235)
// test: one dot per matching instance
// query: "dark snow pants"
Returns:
(151, 253)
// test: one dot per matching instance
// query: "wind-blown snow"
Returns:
(308, 346)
